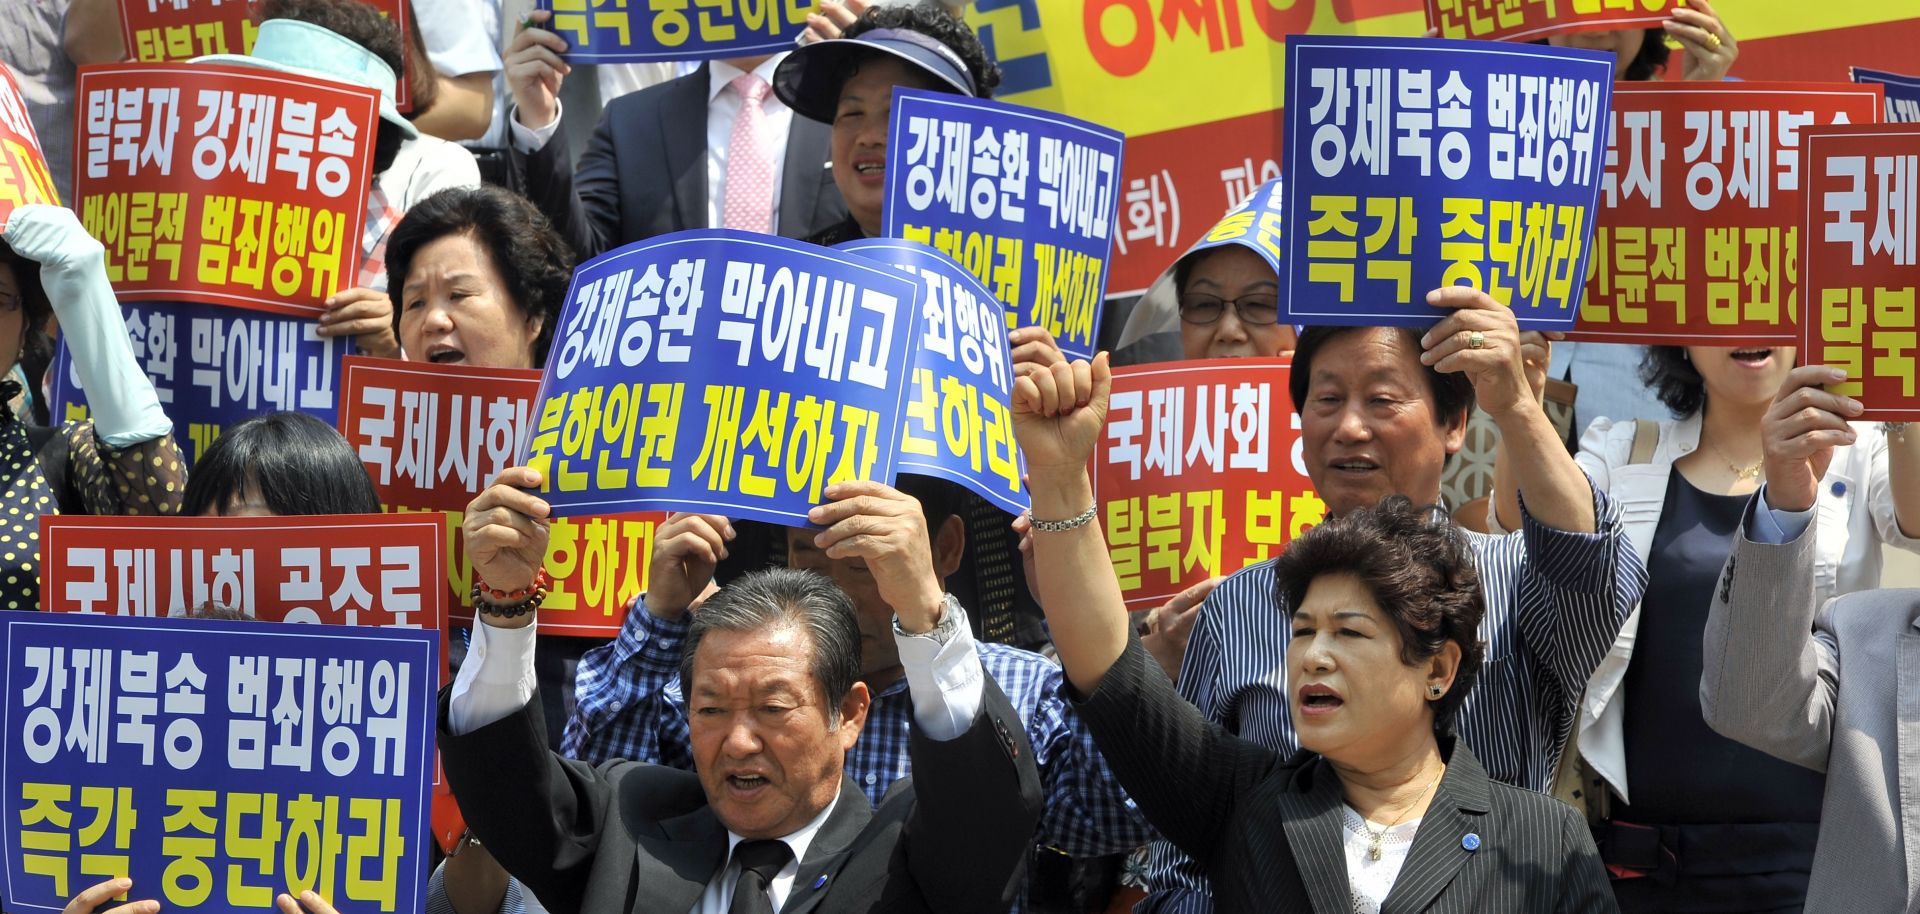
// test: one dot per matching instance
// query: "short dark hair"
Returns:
(1651, 59)
(774, 597)
(35, 308)
(1452, 391)
(299, 464)
(1670, 374)
(533, 260)
(1419, 568)
(363, 25)
(934, 21)
(939, 499)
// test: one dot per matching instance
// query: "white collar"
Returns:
(720, 74)
(799, 841)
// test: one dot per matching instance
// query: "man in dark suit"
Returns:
(712, 149)
(766, 821)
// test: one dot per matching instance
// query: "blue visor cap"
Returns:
(809, 80)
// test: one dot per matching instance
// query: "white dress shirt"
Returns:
(944, 680)
(723, 107)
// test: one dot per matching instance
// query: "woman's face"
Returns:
(1233, 273)
(1352, 698)
(1624, 43)
(860, 136)
(12, 317)
(248, 502)
(1748, 376)
(454, 309)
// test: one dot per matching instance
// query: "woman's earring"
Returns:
(1436, 691)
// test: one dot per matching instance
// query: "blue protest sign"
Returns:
(1903, 93)
(1025, 200)
(724, 372)
(959, 420)
(639, 31)
(213, 366)
(216, 763)
(1417, 163)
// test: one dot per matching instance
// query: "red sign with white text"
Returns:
(23, 166)
(163, 30)
(1862, 254)
(1198, 473)
(226, 185)
(434, 436)
(1698, 240)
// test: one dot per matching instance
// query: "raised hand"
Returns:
(1710, 48)
(1058, 414)
(535, 71)
(92, 897)
(1800, 431)
(367, 316)
(1482, 340)
(506, 532)
(884, 528)
(685, 551)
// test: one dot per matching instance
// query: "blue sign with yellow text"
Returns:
(723, 372)
(959, 420)
(1903, 93)
(640, 31)
(1417, 163)
(215, 763)
(1025, 200)
(213, 366)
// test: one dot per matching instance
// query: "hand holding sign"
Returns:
(506, 531)
(1800, 431)
(1710, 47)
(366, 315)
(310, 903)
(685, 551)
(535, 70)
(885, 528)
(1481, 340)
(90, 899)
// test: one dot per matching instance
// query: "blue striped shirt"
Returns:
(630, 706)
(1554, 602)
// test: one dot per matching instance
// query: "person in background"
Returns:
(279, 464)
(848, 82)
(1606, 372)
(31, 38)
(712, 149)
(121, 461)
(1385, 809)
(1688, 819)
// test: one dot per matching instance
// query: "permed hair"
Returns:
(35, 308)
(532, 259)
(297, 463)
(772, 597)
(1668, 372)
(935, 22)
(1419, 568)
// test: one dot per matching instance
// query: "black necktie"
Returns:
(759, 862)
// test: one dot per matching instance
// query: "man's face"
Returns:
(1369, 424)
(768, 747)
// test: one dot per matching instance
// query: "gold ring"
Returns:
(1713, 41)
(1476, 340)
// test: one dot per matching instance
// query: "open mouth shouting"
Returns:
(443, 354)
(1318, 700)
(1752, 358)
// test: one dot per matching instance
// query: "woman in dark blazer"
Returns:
(1382, 811)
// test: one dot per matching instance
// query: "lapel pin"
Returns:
(820, 883)
(1471, 842)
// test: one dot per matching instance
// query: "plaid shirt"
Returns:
(630, 707)
(382, 217)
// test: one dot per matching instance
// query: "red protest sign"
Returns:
(433, 436)
(1698, 238)
(1178, 183)
(1529, 20)
(1862, 262)
(225, 185)
(1196, 474)
(156, 31)
(23, 166)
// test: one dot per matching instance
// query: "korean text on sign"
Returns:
(165, 30)
(1416, 163)
(1528, 20)
(432, 437)
(1024, 199)
(1861, 240)
(1199, 473)
(216, 763)
(725, 372)
(1903, 94)
(1699, 238)
(24, 177)
(636, 31)
(225, 185)
(959, 421)
(214, 366)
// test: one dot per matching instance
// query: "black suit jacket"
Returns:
(631, 838)
(645, 172)
(1269, 831)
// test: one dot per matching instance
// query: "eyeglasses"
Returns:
(1256, 310)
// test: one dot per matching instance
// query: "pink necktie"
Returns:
(749, 203)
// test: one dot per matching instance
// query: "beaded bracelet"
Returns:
(508, 604)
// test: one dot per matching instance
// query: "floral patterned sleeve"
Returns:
(149, 478)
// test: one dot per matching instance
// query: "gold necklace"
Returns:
(1375, 837)
(1740, 473)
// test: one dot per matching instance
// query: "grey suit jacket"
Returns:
(1773, 681)
(644, 172)
(632, 838)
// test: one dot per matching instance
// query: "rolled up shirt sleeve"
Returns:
(496, 680)
(944, 679)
